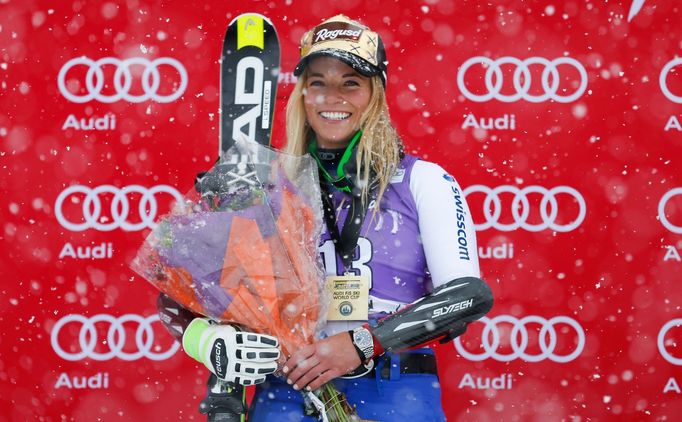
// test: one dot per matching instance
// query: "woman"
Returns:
(397, 227)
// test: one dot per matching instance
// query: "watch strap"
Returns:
(378, 348)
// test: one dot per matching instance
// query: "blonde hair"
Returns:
(379, 149)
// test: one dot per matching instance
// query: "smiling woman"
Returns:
(340, 94)
(417, 244)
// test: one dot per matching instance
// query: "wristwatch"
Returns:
(363, 342)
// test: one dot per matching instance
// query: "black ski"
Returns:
(249, 69)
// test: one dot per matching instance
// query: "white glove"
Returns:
(234, 356)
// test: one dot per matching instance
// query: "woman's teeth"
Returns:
(334, 115)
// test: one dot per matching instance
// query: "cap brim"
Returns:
(358, 64)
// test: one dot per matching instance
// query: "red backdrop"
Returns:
(563, 120)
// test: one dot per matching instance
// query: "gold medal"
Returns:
(349, 298)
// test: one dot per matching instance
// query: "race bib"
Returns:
(349, 298)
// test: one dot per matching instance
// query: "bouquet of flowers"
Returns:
(242, 248)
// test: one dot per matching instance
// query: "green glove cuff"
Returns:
(192, 337)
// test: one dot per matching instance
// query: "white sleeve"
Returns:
(445, 223)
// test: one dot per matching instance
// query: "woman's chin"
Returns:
(334, 140)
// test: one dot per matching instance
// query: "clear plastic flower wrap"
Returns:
(242, 248)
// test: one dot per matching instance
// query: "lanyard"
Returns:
(346, 241)
(341, 180)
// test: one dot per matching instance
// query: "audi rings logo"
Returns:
(120, 207)
(520, 208)
(518, 339)
(115, 338)
(521, 79)
(122, 80)
(663, 80)
(677, 322)
(661, 210)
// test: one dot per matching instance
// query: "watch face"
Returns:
(362, 338)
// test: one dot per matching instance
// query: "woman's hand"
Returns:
(314, 365)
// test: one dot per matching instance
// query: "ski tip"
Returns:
(253, 14)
